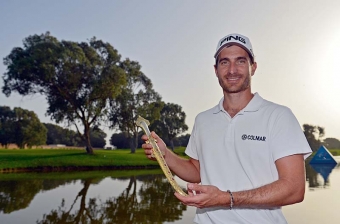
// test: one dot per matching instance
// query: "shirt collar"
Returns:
(253, 105)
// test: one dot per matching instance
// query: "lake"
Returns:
(137, 197)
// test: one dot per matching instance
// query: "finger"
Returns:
(154, 135)
(196, 188)
(187, 200)
(144, 137)
(146, 146)
(180, 197)
(148, 152)
(191, 193)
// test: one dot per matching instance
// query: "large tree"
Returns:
(313, 135)
(171, 122)
(138, 98)
(77, 79)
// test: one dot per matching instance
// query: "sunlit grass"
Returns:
(74, 158)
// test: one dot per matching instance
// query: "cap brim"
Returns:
(231, 44)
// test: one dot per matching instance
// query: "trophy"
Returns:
(143, 123)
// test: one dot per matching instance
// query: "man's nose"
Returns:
(232, 68)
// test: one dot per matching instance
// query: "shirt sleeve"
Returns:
(287, 137)
(191, 149)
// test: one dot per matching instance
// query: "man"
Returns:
(247, 153)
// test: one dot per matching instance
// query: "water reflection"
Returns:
(151, 202)
(322, 169)
(16, 195)
(119, 197)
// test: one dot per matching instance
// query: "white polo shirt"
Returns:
(239, 153)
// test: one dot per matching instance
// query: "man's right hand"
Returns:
(148, 147)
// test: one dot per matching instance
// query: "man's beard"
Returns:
(233, 89)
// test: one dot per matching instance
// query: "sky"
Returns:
(296, 45)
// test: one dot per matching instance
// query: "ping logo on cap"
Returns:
(237, 38)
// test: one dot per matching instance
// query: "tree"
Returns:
(171, 122)
(21, 127)
(98, 137)
(138, 98)
(120, 140)
(77, 79)
(59, 135)
(183, 140)
(331, 143)
(7, 117)
(313, 135)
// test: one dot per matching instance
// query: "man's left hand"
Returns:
(203, 196)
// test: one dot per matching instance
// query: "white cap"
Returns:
(235, 39)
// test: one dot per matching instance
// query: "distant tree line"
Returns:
(121, 141)
(64, 136)
(23, 127)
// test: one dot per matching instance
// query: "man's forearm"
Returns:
(276, 194)
(186, 169)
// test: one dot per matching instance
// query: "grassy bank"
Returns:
(73, 159)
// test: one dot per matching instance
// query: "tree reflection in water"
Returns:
(154, 202)
(16, 195)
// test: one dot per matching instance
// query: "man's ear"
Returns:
(215, 67)
(253, 68)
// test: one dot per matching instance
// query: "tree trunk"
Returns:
(89, 148)
(82, 203)
(132, 145)
(172, 144)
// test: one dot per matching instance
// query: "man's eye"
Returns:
(242, 61)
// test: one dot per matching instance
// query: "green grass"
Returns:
(335, 152)
(11, 160)
(75, 159)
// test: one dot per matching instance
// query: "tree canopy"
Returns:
(138, 98)
(171, 122)
(77, 79)
(313, 135)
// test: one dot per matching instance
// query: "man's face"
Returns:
(234, 69)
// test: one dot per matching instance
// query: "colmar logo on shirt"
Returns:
(254, 137)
